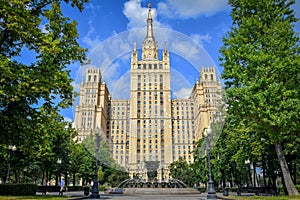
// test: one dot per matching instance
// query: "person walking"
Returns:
(62, 187)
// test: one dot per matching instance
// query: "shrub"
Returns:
(75, 188)
(101, 188)
(18, 189)
(298, 187)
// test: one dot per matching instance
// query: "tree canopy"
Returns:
(37, 44)
(28, 87)
(261, 59)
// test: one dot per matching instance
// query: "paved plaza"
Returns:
(156, 197)
(79, 195)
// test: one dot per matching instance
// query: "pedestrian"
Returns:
(195, 185)
(62, 187)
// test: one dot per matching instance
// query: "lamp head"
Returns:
(247, 161)
(14, 148)
(208, 130)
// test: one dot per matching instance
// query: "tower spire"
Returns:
(150, 47)
(149, 23)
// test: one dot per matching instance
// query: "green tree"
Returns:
(27, 88)
(182, 170)
(200, 162)
(117, 175)
(100, 174)
(77, 160)
(32, 91)
(261, 63)
(106, 163)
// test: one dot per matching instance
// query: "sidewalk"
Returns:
(80, 195)
(201, 196)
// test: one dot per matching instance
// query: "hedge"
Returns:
(18, 189)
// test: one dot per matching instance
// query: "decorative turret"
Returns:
(93, 75)
(165, 54)
(134, 56)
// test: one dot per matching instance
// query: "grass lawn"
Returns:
(264, 197)
(33, 197)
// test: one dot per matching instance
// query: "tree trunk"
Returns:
(43, 176)
(254, 174)
(74, 175)
(47, 176)
(291, 189)
(16, 176)
(66, 178)
(56, 179)
(295, 172)
(264, 170)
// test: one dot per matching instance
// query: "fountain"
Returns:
(137, 183)
(152, 181)
(138, 186)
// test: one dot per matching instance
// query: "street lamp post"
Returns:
(11, 150)
(211, 190)
(95, 190)
(174, 172)
(247, 162)
(58, 171)
(25, 175)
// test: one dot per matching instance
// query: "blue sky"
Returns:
(192, 29)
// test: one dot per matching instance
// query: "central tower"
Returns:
(150, 134)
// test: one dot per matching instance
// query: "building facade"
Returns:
(150, 130)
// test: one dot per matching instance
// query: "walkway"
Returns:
(79, 195)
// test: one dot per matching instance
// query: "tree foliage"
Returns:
(29, 87)
(37, 43)
(261, 63)
(182, 170)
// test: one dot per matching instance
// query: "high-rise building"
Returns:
(150, 130)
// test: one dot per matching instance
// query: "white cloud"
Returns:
(88, 39)
(201, 38)
(121, 87)
(76, 86)
(67, 119)
(137, 15)
(183, 93)
(185, 48)
(191, 8)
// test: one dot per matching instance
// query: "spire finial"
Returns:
(149, 23)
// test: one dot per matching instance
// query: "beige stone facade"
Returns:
(150, 130)
(92, 111)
